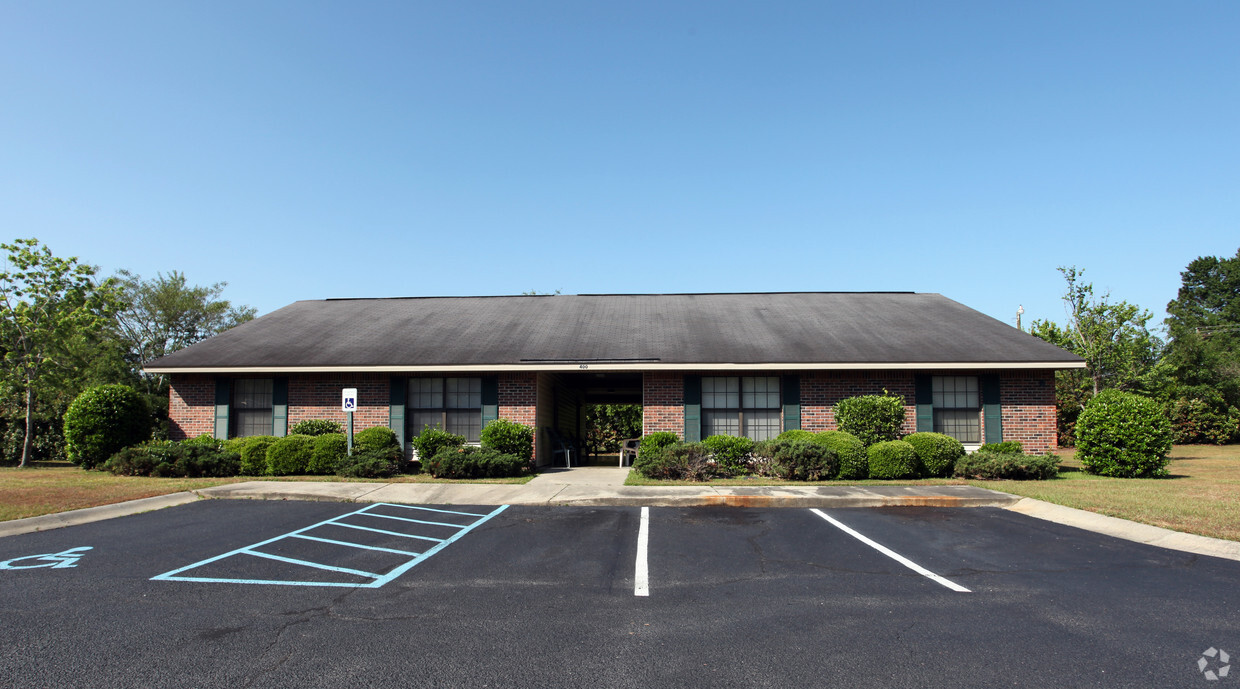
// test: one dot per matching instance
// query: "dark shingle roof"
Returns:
(833, 329)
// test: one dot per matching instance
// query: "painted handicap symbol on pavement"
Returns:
(61, 560)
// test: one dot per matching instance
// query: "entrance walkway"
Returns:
(582, 476)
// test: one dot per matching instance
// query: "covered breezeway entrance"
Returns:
(561, 408)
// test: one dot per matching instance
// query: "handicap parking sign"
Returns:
(349, 400)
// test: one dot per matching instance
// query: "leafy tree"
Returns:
(1204, 329)
(48, 305)
(607, 425)
(166, 313)
(1112, 337)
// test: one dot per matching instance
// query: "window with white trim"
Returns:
(453, 404)
(746, 406)
(958, 408)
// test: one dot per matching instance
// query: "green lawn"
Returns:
(52, 487)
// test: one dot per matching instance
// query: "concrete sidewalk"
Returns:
(594, 486)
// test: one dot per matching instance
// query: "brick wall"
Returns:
(191, 406)
(820, 390)
(1028, 406)
(518, 401)
(317, 396)
(663, 402)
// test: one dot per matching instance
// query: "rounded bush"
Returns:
(854, 464)
(475, 462)
(188, 458)
(510, 438)
(1005, 447)
(803, 460)
(892, 459)
(1012, 466)
(315, 427)
(328, 450)
(871, 418)
(254, 454)
(656, 441)
(103, 420)
(937, 453)
(675, 462)
(795, 434)
(290, 455)
(730, 453)
(431, 440)
(1123, 435)
(367, 464)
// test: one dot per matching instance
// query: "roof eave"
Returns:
(647, 366)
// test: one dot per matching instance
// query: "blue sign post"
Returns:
(348, 403)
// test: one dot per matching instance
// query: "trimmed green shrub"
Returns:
(233, 444)
(510, 438)
(475, 462)
(871, 418)
(1007, 465)
(729, 453)
(103, 420)
(379, 441)
(326, 453)
(290, 455)
(315, 427)
(254, 454)
(795, 434)
(206, 439)
(892, 459)
(1123, 435)
(1005, 447)
(676, 462)
(367, 464)
(937, 453)
(803, 460)
(656, 441)
(167, 459)
(854, 464)
(431, 440)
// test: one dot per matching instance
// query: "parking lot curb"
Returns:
(93, 514)
(1128, 530)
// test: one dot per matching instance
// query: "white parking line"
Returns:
(641, 576)
(893, 554)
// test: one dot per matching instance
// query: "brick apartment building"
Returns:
(700, 364)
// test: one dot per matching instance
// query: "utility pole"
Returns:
(1020, 309)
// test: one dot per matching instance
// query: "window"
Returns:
(453, 404)
(743, 406)
(251, 407)
(957, 408)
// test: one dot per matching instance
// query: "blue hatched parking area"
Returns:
(366, 548)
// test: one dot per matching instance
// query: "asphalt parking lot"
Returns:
(251, 593)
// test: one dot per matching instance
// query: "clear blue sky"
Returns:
(302, 150)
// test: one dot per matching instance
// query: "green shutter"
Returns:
(924, 397)
(791, 389)
(223, 397)
(279, 407)
(490, 400)
(397, 388)
(992, 412)
(693, 409)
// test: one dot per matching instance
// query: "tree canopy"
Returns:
(1204, 329)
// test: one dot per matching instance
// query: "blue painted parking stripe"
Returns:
(307, 563)
(415, 521)
(410, 565)
(432, 509)
(380, 580)
(390, 533)
(356, 545)
(169, 575)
